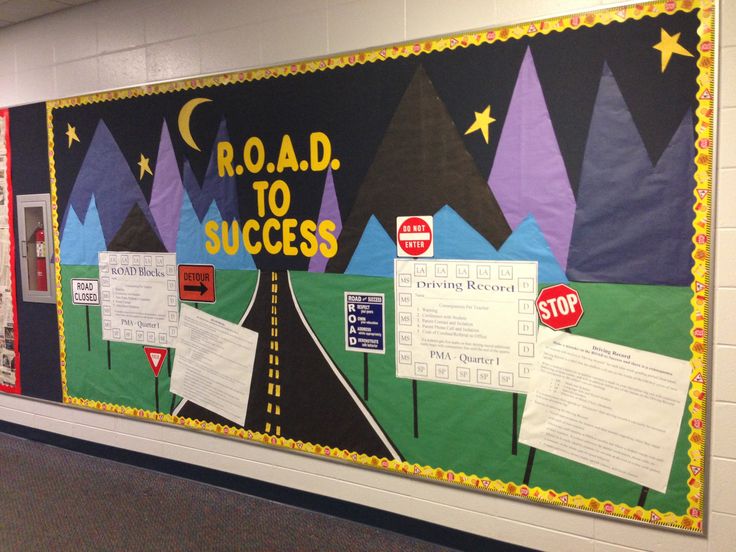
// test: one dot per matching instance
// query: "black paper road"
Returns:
(294, 389)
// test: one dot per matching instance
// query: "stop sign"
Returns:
(559, 307)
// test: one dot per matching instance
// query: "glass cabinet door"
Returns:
(36, 248)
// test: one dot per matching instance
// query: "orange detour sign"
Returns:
(559, 307)
(197, 283)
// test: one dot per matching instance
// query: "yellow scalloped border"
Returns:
(692, 520)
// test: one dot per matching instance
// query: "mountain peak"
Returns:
(420, 166)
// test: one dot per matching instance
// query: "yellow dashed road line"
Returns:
(274, 389)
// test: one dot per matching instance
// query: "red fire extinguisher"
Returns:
(39, 236)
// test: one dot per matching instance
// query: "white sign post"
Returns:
(365, 327)
(139, 297)
(86, 291)
(607, 406)
(214, 362)
(466, 322)
(469, 323)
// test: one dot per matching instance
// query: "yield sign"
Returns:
(155, 356)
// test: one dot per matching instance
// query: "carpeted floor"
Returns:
(53, 499)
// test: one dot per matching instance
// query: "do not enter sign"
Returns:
(414, 237)
(559, 307)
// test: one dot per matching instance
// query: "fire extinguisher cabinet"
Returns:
(36, 248)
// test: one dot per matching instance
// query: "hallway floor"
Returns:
(55, 499)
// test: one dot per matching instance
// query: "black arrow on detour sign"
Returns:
(201, 288)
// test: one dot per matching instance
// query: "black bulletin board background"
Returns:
(38, 326)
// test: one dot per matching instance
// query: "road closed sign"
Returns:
(559, 307)
(85, 291)
(414, 236)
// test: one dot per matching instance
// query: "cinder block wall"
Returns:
(116, 43)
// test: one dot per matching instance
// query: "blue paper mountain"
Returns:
(106, 175)
(454, 238)
(81, 241)
(220, 189)
(374, 255)
(633, 222)
(191, 239)
(527, 243)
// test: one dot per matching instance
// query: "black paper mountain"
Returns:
(421, 165)
(136, 234)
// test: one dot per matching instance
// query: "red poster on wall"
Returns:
(9, 360)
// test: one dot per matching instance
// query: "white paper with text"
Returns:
(214, 362)
(466, 322)
(607, 406)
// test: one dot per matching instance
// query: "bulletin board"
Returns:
(265, 203)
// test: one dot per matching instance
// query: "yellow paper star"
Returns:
(145, 167)
(668, 45)
(71, 133)
(483, 120)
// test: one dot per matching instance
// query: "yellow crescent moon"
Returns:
(184, 115)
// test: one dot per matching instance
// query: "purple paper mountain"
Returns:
(220, 189)
(167, 191)
(329, 210)
(106, 174)
(528, 174)
(634, 221)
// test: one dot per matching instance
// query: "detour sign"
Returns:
(559, 307)
(197, 283)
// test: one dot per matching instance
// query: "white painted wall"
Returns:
(116, 43)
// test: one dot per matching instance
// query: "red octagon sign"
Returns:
(559, 307)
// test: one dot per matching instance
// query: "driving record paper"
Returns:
(466, 322)
(610, 407)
